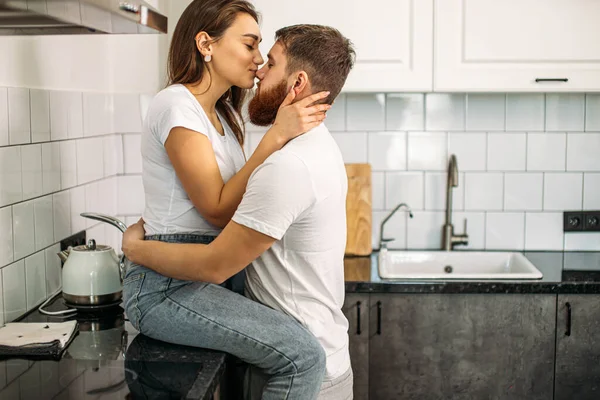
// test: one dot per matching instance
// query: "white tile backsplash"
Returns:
(486, 112)
(444, 112)
(435, 191)
(61, 204)
(404, 187)
(583, 152)
(523, 191)
(14, 292)
(127, 113)
(10, 175)
(98, 114)
(336, 116)
(19, 120)
(387, 151)
(405, 112)
(424, 230)
(23, 229)
(40, 115)
(68, 164)
(4, 117)
(378, 190)
(53, 269)
(484, 191)
(546, 151)
(365, 112)
(544, 231)
(43, 222)
(427, 151)
(59, 108)
(35, 276)
(565, 112)
(90, 160)
(74, 107)
(353, 146)
(525, 112)
(6, 236)
(506, 151)
(31, 170)
(591, 191)
(470, 150)
(505, 231)
(563, 191)
(51, 167)
(130, 195)
(592, 112)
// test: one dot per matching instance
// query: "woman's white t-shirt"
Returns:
(168, 208)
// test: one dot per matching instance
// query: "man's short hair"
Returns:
(322, 51)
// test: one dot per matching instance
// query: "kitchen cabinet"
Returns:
(393, 38)
(356, 309)
(490, 45)
(578, 347)
(471, 346)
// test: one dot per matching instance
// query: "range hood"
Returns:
(56, 17)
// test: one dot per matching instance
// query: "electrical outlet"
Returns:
(73, 240)
(572, 221)
(581, 221)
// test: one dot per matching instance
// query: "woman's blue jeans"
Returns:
(205, 315)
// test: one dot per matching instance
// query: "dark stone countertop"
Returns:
(109, 358)
(563, 273)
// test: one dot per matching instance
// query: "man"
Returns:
(291, 223)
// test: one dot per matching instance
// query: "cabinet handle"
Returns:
(551, 80)
(568, 332)
(358, 331)
(379, 317)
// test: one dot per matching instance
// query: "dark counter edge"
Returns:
(564, 273)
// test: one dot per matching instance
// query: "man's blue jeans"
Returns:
(205, 315)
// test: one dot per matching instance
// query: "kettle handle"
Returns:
(106, 218)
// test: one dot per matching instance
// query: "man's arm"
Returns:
(235, 248)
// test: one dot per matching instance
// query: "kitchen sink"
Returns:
(455, 265)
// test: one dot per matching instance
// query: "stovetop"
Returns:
(108, 359)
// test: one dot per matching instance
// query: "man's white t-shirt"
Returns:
(168, 208)
(298, 196)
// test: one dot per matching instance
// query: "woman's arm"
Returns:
(196, 166)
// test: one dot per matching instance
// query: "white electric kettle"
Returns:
(92, 275)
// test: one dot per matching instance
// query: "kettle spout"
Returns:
(63, 255)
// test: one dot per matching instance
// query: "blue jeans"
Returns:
(205, 315)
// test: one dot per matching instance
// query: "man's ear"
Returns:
(301, 82)
(203, 43)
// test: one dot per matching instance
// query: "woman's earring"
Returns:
(207, 58)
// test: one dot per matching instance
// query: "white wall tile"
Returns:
(427, 151)
(435, 191)
(404, 187)
(365, 112)
(35, 278)
(353, 146)
(78, 223)
(395, 228)
(131, 195)
(336, 116)
(506, 151)
(90, 160)
(2, 363)
(13, 288)
(592, 112)
(588, 241)
(444, 112)
(113, 155)
(425, 230)
(387, 151)
(591, 191)
(544, 231)
(10, 175)
(109, 196)
(6, 236)
(59, 105)
(405, 112)
(470, 150)
(3, 116)
(68, 164)
(113, 238)
(378, 190)
(19, 125)
(484, 191)
(132, 149)
(525, 112)
(128, 116)
(53, 270)
(94, 202)
(44, 222)
(61, 204)
(563, 191)
(505, 231)
(546, 152)
(485, 112)
(565, 111)
(145, 99)
(40, 115)
(51, 167)
(31, 165)
(23, 229)
(475, 228)
(523, 191)
(74, 107)
(98, 113)
(583, 152)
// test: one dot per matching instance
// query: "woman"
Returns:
(194, 178)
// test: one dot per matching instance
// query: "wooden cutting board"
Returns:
(358, 210)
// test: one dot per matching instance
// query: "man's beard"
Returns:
(263, 108)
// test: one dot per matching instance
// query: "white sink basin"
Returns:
(444, 265)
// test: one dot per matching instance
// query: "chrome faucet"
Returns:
(383, 241)
(449, 239)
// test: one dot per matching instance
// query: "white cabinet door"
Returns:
(393, 38)
(517, 45)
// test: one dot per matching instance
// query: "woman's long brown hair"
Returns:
(186, 64)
